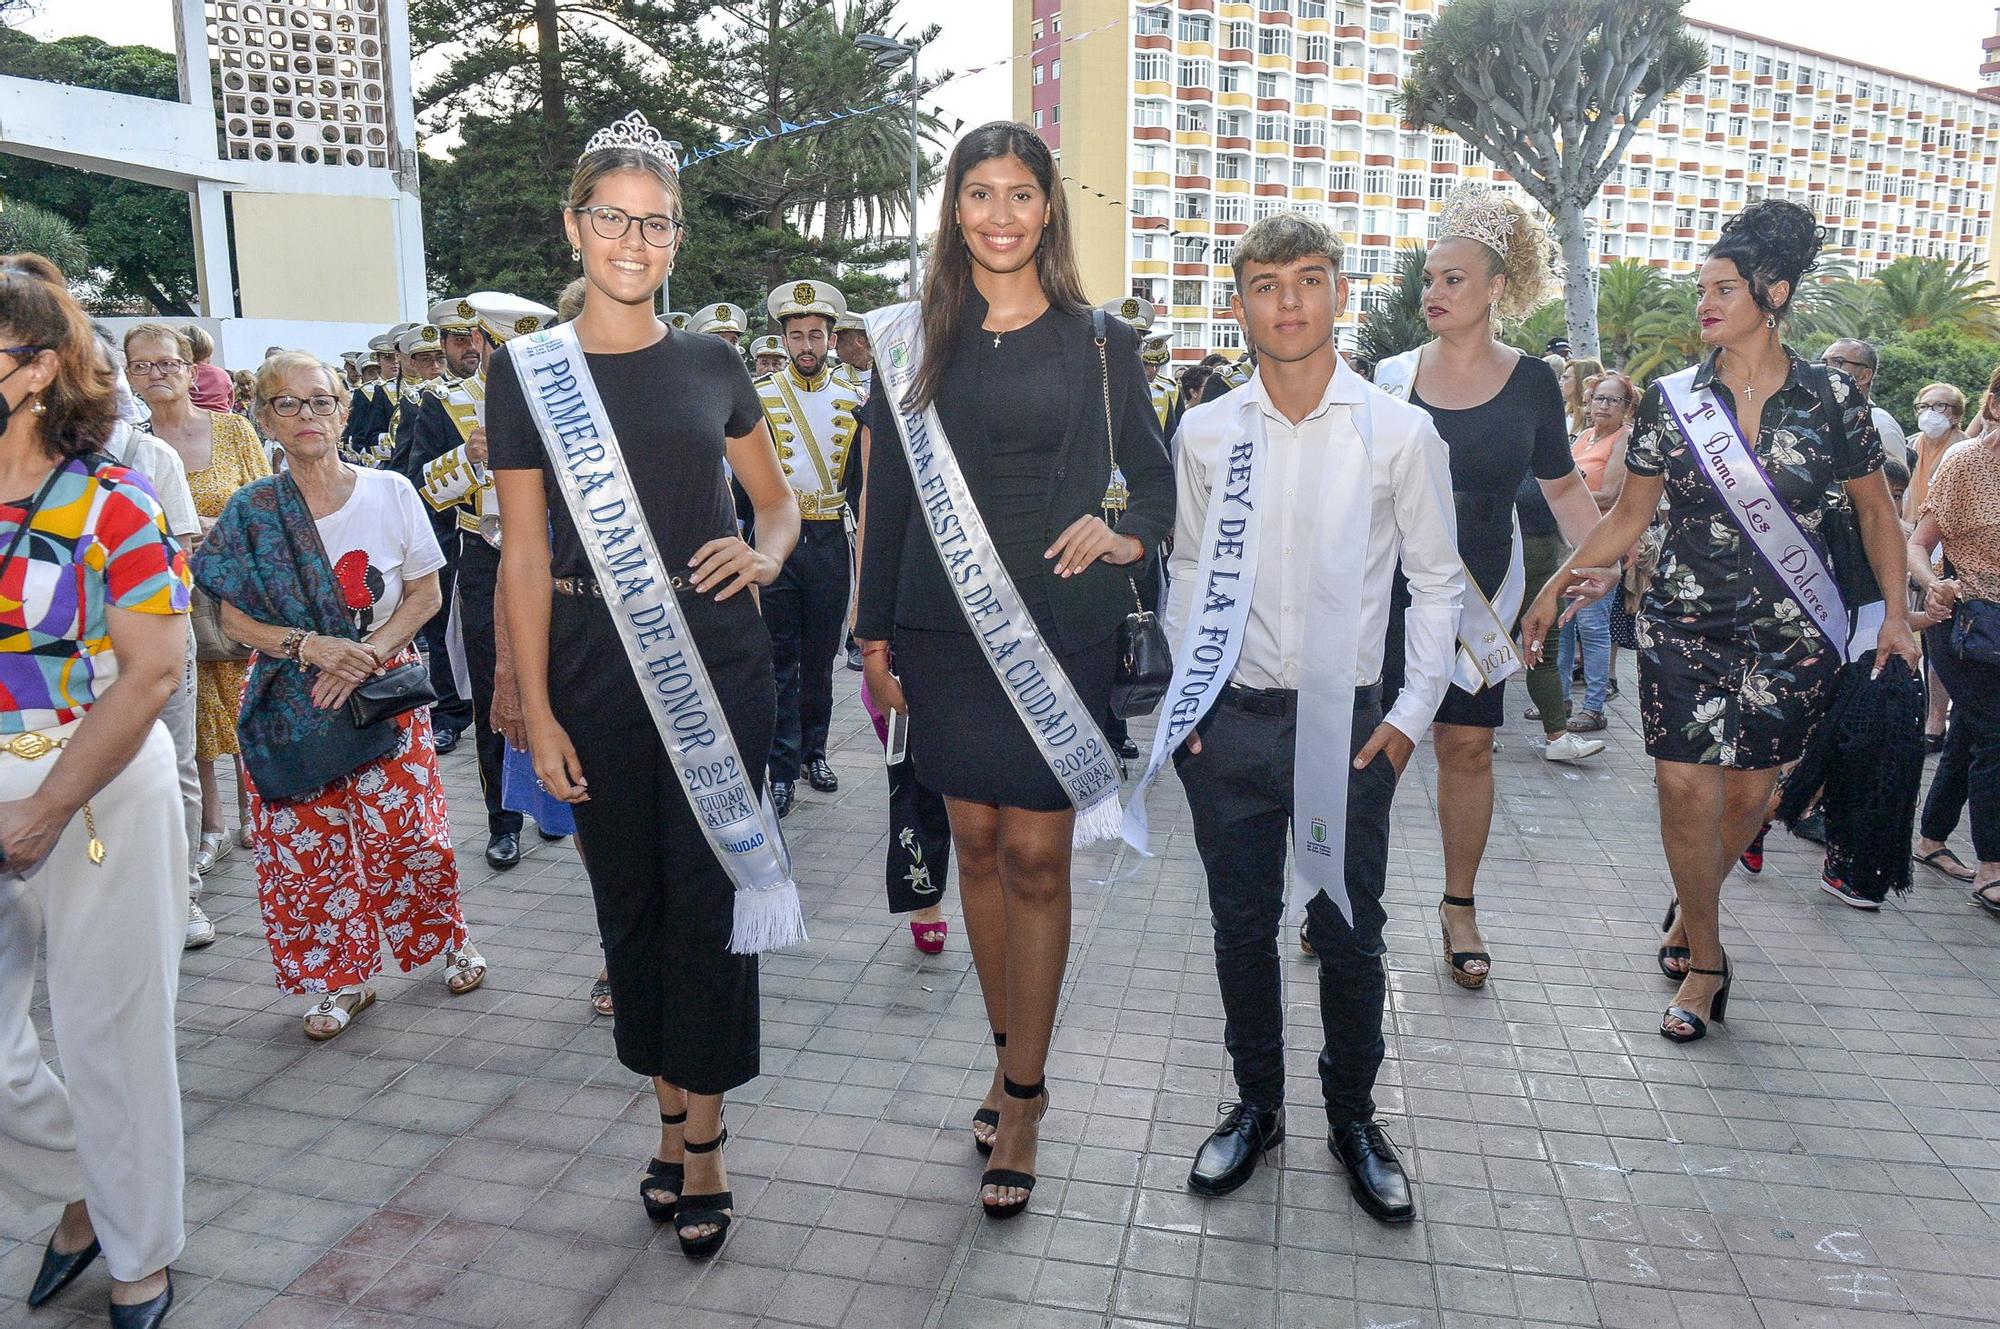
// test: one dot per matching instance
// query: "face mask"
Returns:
(1933, 422)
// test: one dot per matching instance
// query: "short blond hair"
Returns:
(270, 376)
(160, 332)
(1950, 390)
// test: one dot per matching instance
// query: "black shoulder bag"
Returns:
(1851, 569)
(1145, 663)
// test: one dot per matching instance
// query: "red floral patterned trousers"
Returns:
(364, 861)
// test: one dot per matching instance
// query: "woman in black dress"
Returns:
(1502, 414)
(1732, 670)
(1012, 371)
(680, 403)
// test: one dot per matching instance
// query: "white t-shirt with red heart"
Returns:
(378, 539)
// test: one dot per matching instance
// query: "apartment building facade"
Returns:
(1181, 125)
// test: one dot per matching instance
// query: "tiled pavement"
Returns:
(1832, 1159)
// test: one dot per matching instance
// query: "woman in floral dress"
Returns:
(1732, 671)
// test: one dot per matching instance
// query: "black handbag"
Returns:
(390, 694)
(1975, 632)
(1145, 661)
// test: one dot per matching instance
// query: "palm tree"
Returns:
(1915, 293)
(1627, 291)
(1668, 337)
(27, 229)
(1393, 321)
(1533, 333)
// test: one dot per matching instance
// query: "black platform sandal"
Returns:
(715, 1209)
(987, 1116)
(1456, 960)
(663, 1176)
(1672, 952)
(1001, 1176)
(1717, 1010)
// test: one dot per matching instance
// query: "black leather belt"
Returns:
(587, 587)
(1284, 702)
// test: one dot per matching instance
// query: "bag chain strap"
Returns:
(1111, 443)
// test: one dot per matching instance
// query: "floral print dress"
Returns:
(1732, 672)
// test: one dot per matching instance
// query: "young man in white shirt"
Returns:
(1349, 481)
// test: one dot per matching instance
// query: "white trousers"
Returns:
(178, 717)
(109, 1131)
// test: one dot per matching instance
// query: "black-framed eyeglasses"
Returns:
(318, 405)
(1602, 400)
(657, 229)
(168, 366)
(1841, 363)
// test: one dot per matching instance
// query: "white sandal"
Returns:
(329, 1007)
(215, 847)
(459, 963)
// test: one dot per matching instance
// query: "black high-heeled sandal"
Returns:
(1717, 1010)
(663, 1176)
(714, 1209)
(987, 1116)
(1002, 1176)
(1456, 960)
(1672, 952)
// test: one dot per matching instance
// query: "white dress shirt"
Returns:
(1411, 519)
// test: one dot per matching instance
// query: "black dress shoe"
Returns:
(550, 837)
(781, 797)
(1229, 1157)
(59, 1271)
(820, 776)
(1128, 751)
(147, 1314)
(504, 851)
(1374, 1174)
(444, 738)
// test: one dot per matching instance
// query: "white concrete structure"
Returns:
(302, 182)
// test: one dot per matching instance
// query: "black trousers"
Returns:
(478, 576)
(806, 610)
(687, 1007)
(1240, 791)
(1968, 772)
(450, 710)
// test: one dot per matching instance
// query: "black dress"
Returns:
(687, 1008)
(1519, 435)
(1732, 672)
(1007, 411)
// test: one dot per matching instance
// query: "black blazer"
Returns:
(902, 579)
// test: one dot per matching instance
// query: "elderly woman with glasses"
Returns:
(222, 454)
(328, 572)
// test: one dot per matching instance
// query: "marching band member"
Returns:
(850, 343)
(810, 406)
(1297, 497)
(725, 320)
(371, 407)
(629, 595)
(1001, 586)
(420, 351)
(455, 481)
(1502, 415)
(767, 356)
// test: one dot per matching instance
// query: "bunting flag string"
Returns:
(789, 129)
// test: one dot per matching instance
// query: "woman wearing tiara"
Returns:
(1502, 415)
(1033, 401)
(1735, 661)
(670, 408)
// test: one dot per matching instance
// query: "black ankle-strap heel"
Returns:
(1000, 1176)
(1456, 960)
(1717, 1010)
(663, 1176)
(987, 1116)
(714, 1209)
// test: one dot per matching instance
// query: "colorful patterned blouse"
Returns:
(98, 540)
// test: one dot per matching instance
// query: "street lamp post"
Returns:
(888, 53)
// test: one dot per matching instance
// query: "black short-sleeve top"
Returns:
(1521, 431)
(674, 406)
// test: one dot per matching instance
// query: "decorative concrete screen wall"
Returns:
(301, 81)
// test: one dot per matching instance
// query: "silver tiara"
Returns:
(1477, 212)
(634, 132)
